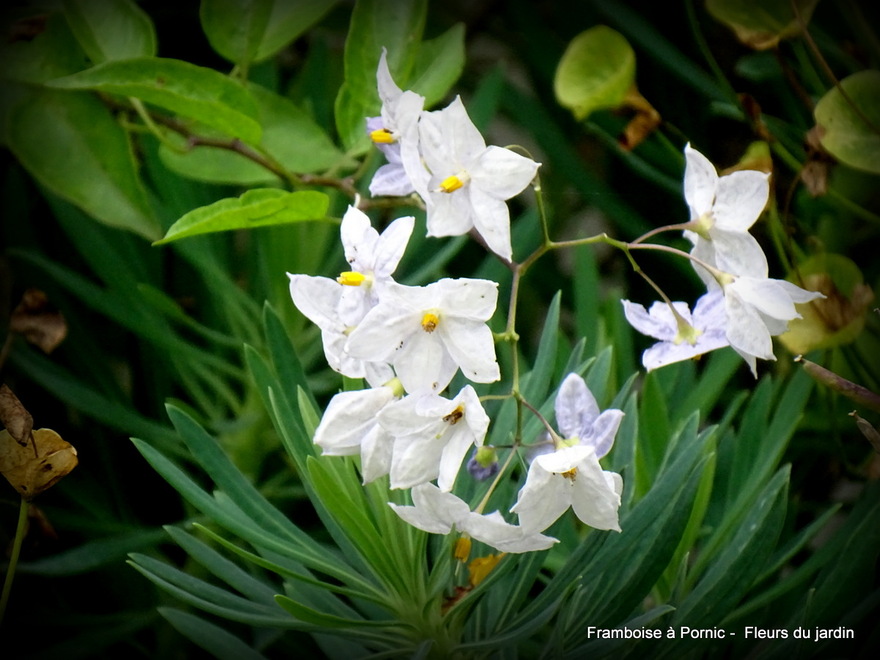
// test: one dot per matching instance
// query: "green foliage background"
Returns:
(747, 503)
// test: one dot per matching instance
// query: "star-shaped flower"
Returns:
(373, 257)
(395, 133)
(432, 435)
(427, 333)
(723, 209)
(571, 475)
(439, 512)
(350, 426)
(759, 308)
(469, 182)
(684, 336)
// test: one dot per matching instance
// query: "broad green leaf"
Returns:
(111, 30)
(849, 121)
(73, 146)
(261, 207)
(248, 31)
(375, 24)
(290, 136)
(439, 64)
(761, 24)
(596, 71)
(838, 318)
(235, 27)
(194, 92)
(51, 53)
(217, 641)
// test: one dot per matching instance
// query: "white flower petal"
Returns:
(700, 181)
(738, 253)
(575, 407)
(603, 430)
(501, 172)
(544, 497)
(596, 496)
(491, 219)
(739, 199)
(472, 347)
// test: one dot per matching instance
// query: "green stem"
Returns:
(20, 530)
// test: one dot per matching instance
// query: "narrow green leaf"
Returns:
(240, 580)
(217, 641)
(537, 383)
(111, 30)
(208, 597)
(72, 145)
(92, 555)
(262, 207)
(226, 514)
(191, 91)
(596, 71)
(733, 572)
(316, 618)
(206, 450)
(849, 121)
(375, 24)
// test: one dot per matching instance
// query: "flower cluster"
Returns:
(408, 342)
(442, 156)
(743, 308)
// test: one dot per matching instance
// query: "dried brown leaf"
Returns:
(36, 467)
(14, 416)
(38, 322)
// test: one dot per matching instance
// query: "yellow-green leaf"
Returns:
(189, 90)
(761, 24)
(849, 121)
(596, 71)
(262, 207)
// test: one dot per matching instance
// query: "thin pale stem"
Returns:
(20, 530)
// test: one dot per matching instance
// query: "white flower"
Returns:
(723, 210)
(438, 512)
(432, 435)
(570, 476)
(427, 333)
(373, 258)
(318, 299)
(469, 182)
(758, 308)
(395, 133)
(680, 338)
(578, 416)
(350, 426)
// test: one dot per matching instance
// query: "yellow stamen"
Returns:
(570, 474)
(382, 136)
(479, 568)
(454, 416)
(462, 548)
(451, 184)
(430, 321)
(351, 278)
